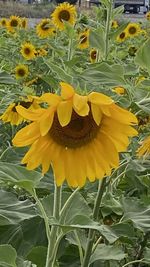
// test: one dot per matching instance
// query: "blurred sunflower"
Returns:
(28, 51)
(21, 71)
(64, 13)
(29, 83)
(121, 37)
(13, 23)
(144, 149)
(148, 15)
(114, 24)
(119, 90)
(41, 52)
(132, 51)
(24, 23)
(133, 29)
(143, 122)
(12, 116)
(93, 55)
(45, 29)
(84, 39)
(3, 22)
(79, 136)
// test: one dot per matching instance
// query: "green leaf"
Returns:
(135, 211)
(12, 211)
(142, 58)
(104, 74)
(104, 252)
(19, 176)
(97, 40)
(61, 74)
(38, 256)
(8, 256)
(5, 78)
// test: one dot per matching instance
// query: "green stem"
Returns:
(79, 246)
(132, 262)
(70, 49)
(50, 261)
(109, 10)
(91, 234)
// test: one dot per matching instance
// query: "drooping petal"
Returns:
(30, 114)
(96, 112)
(64, 112)
(51, 99)
(99, 99)
(122, 115)
(80, 105)
(46, 121)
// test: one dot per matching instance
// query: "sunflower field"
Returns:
(75, 139)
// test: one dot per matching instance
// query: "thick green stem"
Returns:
(109, 11)
(91, 234)
(50, 261)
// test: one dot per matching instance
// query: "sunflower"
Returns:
(93, 55)
(31, 82)
(144, 149)
(21, 71)
(132, 51)
(121, 37)
(24, 23)
(12, 116)
(133, 29)
(143, 122)
(79, 136)
(45, 29)
(64, 13)
(13, 23)
(148, 15)
(114, 24)
(41, 52)
(28, 51)
(119, 90)
(84, 39)
(3, 22)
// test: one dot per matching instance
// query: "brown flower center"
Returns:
(23, 104)
(21, 72)
(14, 23)
(45, 26)
(27, 50)
(79, 132)
(122, 35)
(64, 15)
(23, 24)
(83, 39)
(93, 54)
(132, 30)
(3, 22)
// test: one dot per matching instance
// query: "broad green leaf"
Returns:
(97, 39)
(8, 256)
(147, 255)
(18, 175)
(12, 211)
(6, 78)
(135, 211)
(104, 252)
(61, 74)
(102, 73)
(38, 256)
(142, 58)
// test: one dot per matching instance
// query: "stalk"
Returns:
(91, 235)
(109, 11)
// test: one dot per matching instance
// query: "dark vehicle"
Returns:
(133, 6)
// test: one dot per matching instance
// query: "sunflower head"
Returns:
(13, 23)
(133, 29)
(21, 71)
(144, 149)
(132, 51)
(45, 28)
(114, 24)
(3, 22)
(24, 23)
(119, 90)
(84, 39)
(121, 37)
(80, 136)
(28, 51)
(148, 15)
(64, 13)
(93, 55)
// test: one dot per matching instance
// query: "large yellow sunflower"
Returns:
(28, 51)
(145, 147)
(13, 23)
(84, 39)
(79, 136)
(133, 29)
(64, 13)
(21, 71)
(45, 28)
(12, 116)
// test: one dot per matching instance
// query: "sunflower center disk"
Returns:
(21, 72)
(45, 26)
(79, 132)
(27, 51)
(93, 55)
(64, 15)
(122, 35)
(83, 39)
(132, 30)
(14, 23)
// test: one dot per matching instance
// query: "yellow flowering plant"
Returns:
(75, 139)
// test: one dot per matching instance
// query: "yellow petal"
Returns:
(46, 121)
(80, 105)
(27, 135)
(96, 112)
(30, 114)
(105, 110)
(64, 112)
(122, 115)
(51, 99)
(99, 99)
(67, 91)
